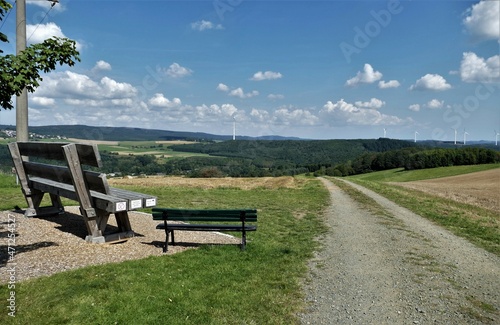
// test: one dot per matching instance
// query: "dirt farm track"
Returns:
(480, 188)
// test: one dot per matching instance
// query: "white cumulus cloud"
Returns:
(175, 70)
(101, 66)
(435, 104)
(291, 116)
(343, 113)
(482, 20)
(414, 107)
(259, 115)
(431, 82)
(477, 69)
(368, 76)
(39, 33)
(222, 87)
(275, 96)
(205, 25)
(238, 92)
(389, 84)
(159, 100)
(43, 101)
(373, 103)
(267, 75)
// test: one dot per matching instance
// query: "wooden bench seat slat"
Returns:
(102, 201)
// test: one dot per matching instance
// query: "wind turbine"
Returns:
(496, 137)
(234, 128)
(465, 136)
(455, 135)
(416, 136)
(385, 132)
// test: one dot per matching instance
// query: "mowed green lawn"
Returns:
(209, 285)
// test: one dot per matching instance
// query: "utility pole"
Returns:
(22, 99)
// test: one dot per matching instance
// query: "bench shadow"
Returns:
(4, 250)
(74, 224)
(160, 244)
(154, 243)
(69, 222)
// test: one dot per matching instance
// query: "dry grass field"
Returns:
(209, 183)
(110, 143)
(479, 189)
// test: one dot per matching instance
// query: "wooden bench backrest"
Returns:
(87, 153)
(57, 151)
(209, 215)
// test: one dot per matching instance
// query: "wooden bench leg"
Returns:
(35, 210)
(123, 221)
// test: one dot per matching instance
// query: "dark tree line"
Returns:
(414, 158)
(281, 158)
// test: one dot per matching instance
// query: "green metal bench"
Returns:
(205, 220)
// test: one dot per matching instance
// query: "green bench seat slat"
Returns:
(187, 216)
(205, 227)
(204, 215)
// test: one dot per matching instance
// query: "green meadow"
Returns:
(209, 285)
(146, 147)
(221, 284)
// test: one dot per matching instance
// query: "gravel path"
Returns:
(397, 270)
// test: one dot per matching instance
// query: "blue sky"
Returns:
(311, 69)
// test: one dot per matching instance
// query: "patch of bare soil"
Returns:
(480, 189)
(209, 183)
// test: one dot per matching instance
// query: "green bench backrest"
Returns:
(204, 215)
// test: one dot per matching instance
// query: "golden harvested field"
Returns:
(175, 142)
(480, 189)
(110, 143)
(208, 183)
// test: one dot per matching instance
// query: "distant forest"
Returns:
(414, 158)
(257, 158)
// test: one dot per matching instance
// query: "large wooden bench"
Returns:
(58, 170)
(205, 220)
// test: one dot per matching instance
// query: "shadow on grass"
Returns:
(160, 244)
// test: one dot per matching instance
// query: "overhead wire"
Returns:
(7, 16)
(46, 14)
